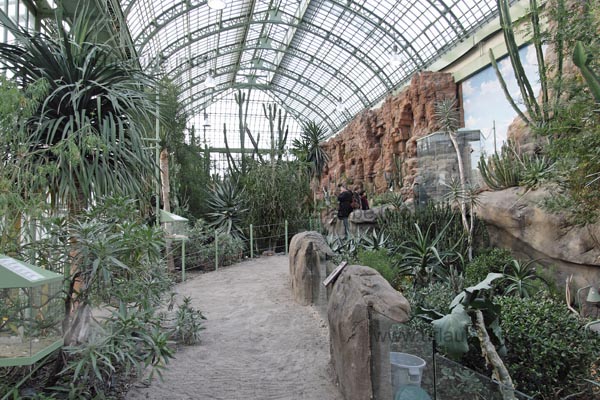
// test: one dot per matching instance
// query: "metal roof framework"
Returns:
(308, 54)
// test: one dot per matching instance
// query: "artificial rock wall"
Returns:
(364, 151)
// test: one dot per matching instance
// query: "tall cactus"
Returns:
(240, 98)
(538, 114)
(271, 113)
(582, 59)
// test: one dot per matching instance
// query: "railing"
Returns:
(218, 249)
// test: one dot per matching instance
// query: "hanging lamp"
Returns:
(216, 4)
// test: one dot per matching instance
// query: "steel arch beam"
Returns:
(236, 23)
(301, 99)
(318, 63)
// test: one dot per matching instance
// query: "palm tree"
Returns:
(88, 130)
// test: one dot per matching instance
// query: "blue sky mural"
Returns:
(485, 102)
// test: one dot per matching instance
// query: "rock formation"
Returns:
(515, 221)
(308, 251)
(366, 151)
(361, 309)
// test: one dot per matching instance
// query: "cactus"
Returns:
(538, 114)
(582, 59)
(271, 113)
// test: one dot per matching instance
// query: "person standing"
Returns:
(364, 203)
(345, 206)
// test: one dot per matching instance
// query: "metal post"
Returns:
(251, 242)
(183, 260)
(216, 250)
(286, 236)
(157, 143)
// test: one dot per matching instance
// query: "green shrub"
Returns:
(381, 261)
(189, 323)
(488, 260)
(549, 354)
(399, 226)
(200, 248)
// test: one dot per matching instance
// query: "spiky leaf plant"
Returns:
(88, 128)
(226, 205)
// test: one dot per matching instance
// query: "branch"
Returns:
(490, 354)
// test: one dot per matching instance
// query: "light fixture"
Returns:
(395, 59)
(257, 63)
(340, 106)
(593, 296)
(264, 42)
(206, 122)
(210, 82)
(216, 4)
(274, 15)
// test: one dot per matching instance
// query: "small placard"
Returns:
(335, 273)
(20, 269)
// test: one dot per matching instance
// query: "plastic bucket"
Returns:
(406, 370)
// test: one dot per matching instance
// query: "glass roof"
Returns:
(307, 54)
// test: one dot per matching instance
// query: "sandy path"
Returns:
(258, 343)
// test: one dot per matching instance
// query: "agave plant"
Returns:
(521, 278)
(422, 258)
(225, 203)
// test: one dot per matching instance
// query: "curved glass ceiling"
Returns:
(307, 54)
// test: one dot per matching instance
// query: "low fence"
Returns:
(214, 249)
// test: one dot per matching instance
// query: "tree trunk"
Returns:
(490, 354)
(164, 179)
(463, 187)
(165, 189)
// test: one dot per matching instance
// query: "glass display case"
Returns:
(31, 311)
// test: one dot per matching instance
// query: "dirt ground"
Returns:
(258, 343)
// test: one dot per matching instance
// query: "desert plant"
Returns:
(308, 147)
(421, 257)
(501, 171)
(538, 114)
(521, 278)
(473, 308)
(399, 223)
(226, 203)
(188, 323)
(89, 128)
(273, 195)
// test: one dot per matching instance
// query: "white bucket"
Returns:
(406, 370)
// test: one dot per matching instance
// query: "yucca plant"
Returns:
(226, 205)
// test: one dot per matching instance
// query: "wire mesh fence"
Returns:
(212, 249)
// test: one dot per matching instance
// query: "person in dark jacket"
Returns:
(364, 203)
(345, 207)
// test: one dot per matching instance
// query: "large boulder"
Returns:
(307, 255)
(362, 307)
(517, 222)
